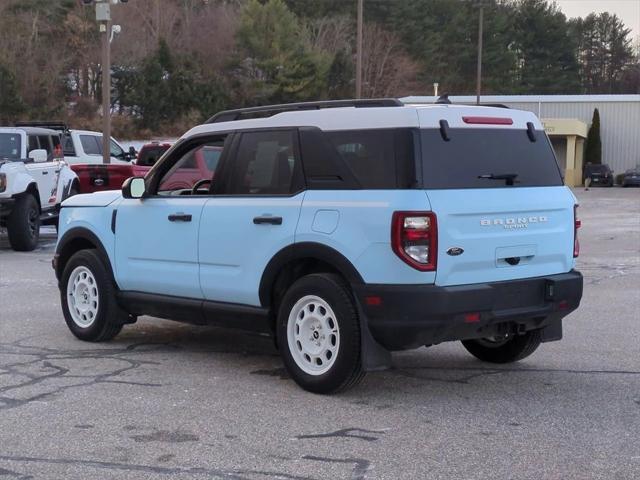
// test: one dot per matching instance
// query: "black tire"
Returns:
(346, 370)
(513, 349)
(109, 319)
(23, 224)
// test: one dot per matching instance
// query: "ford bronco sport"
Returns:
(346, 229)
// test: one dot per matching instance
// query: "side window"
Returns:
(33, 143)
(378, 159)
(67, 147)
(45, 144)
(116, 151)
(265, 164)
(91, 144)
(191, 168)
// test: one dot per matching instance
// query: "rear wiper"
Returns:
(509, 178)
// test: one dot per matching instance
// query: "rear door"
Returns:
(253, 216)
(499, 200)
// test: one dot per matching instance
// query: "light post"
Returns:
(103, 17)
(359, 49)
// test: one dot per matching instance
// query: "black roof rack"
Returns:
(269, 110)
(50, 125)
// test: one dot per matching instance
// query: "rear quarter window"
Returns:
(378, 159)
(473, 155)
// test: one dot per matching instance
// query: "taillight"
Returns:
(414, 238)
(576, 226)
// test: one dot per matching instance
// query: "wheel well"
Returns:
(70, 248)
(291, 272)
(32, 189)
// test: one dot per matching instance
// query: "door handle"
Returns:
(45, 172)
(264, 220)
(179, 217)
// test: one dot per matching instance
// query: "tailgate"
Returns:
(504, 234)
(98, 177)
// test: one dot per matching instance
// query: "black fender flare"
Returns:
(63, 253)
(305, 250)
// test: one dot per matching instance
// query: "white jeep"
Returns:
(34, 180)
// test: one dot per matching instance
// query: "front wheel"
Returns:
(318, 332)
(23, 224)
(88, 299)
(506, 348)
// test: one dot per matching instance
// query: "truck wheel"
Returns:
(23, 224)
(319, 334)
(88, 298)
(504, 349)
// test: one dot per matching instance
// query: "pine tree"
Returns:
(593, 149)
(11, 104)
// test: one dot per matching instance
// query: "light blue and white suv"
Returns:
(346, 229)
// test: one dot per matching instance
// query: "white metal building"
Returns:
(565, 117)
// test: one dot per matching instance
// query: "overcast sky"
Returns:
(627, 10)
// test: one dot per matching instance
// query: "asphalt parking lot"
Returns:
(165, 400)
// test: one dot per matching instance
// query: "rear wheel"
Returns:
(319, 334)
(88, 298)
(23, 224)
(504, 348)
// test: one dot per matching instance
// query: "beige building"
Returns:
(568, 137)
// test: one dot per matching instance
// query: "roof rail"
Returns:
(269, 110)
(50, 125)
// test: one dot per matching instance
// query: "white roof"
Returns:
(527, 98)
(348, 118)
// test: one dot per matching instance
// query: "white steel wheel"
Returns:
(313, 335)
(82, 297)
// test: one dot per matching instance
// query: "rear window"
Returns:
(379, 159)
(487, 158)
(150, 155)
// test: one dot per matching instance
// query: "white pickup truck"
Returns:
(34, 181)
(85, 147)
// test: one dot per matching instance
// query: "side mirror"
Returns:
(134, 187)
(38, 156)
(132, 152)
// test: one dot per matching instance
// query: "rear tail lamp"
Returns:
(3, 182)
(576, 225)
(414, 238)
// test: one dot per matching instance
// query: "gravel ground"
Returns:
(165, 400)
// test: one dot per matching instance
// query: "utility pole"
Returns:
(359, 49)
(103, 17)
(105, 33)
(479, 74)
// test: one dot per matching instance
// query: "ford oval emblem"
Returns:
(455, 251)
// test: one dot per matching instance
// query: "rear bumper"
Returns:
(408, 316)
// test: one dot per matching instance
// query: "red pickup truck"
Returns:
(97, 177)
(94, 178)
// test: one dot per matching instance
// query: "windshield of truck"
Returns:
(487, 158)
(9, 146)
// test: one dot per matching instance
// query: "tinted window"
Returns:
(33, 143)
(91, 144)
(67, 147)
(10, 146)
(265, 164)
(377, 158)
(472, 156)
(45, 143)
(597, 168)
(150, 155)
